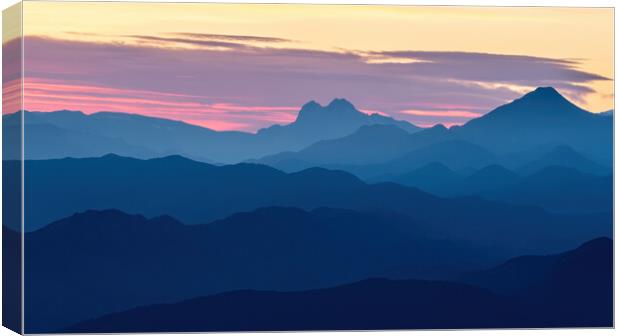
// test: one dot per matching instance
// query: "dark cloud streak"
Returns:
(244, 74)
(243, 38)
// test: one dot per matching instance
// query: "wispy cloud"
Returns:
(208, 41)
(45, 95)
(442, 113)
(228, 80)
(245, 38)
(171, 41)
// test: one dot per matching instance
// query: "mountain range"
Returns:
(572, 289)
(75, 134)
(515, 135)
(338, 220)
(557, 188)
(334, 135)
(274, 248)
(112, 261)
(196, 192)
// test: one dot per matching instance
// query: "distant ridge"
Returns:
(515, 133)
(196, 192)
(336, 135)
(540, 118)
(68, 133)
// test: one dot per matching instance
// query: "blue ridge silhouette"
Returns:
(575, 290)
(96, 262)
(555, 188)
(541, 117)
(74, 134)
(515, 133)
(196, 192)
(318, 224)
(564, 156)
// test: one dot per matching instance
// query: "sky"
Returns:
(248, 66)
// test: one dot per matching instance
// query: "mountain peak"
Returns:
(337, 107)
(544, 104)
(311, 105)
(68, 112)
(545, 96)
(545, 90)
(341, 103)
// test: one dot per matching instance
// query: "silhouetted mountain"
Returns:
(195, 193)
(375, 304)
(74, 134)
(373, 144)
(575, 288)
(454, 154)
(11, 279)
(369, 144)
(489, 178)
(516, 133)
(49, 140)
(112, 261)
(555, 188)
(564, 156)
(572, 289)
(436, 180)
(315, 122)
(434, 177)
(559, 189)
(541, 117)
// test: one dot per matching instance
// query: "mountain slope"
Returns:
(339, 118)
(555, 188)
(558, 189)
(434, 178)
(113, 261)
(564, 156)
(371, 144)
(516, 133)
(74, 134)
(375, 304)
(47, 140)
(454, 154)
(196, 193)
(572, 289)
(540, 117)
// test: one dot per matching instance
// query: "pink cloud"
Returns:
(50, 95)
(220, 125)
(11, 96)
(368, 111)
(447, 106)
(247, 88)
(442, 113)
(447, 124)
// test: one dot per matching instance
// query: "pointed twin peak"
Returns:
(341, 103)
(311, 105)
(337, 107)
(336, 103)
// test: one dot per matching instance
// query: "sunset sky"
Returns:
(244, 67)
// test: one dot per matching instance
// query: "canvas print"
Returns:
(202, 167)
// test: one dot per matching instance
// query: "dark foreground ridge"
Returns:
(575, 291)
